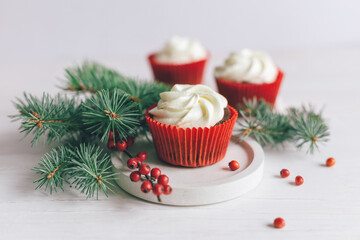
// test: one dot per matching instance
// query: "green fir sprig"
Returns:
(93, 77)
(90, 171)
(303, 126)
(53, 168)
(85, 166)
(111, 111)
(55, 117)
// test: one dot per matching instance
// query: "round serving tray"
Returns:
(198, 186)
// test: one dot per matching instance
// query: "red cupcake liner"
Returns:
(236, 92)
(188, 73)
(191, 147)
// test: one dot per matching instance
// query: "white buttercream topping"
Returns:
(188, 106)
(179, 50)
(248, 66)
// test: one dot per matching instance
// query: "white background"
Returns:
(316, 43)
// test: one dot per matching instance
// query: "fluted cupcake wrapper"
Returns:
(188, 73)
(191, 147)
(236, 92)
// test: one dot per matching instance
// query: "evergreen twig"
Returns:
(93, 77)
(52, 168)
(91, 171)
(113, 111)
(85, 166)
(55, 116)
(302, 126)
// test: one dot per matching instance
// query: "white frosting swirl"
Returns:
(180, 50)
(188, 106)
(248, 66)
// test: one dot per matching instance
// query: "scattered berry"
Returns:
(163, 179)
(234, 165)
(132, 163)
(155, 173)
(146, 187)
(129, 141)
(167, 189)
(142, 156)
(158, 189)
(284, 173)
(135, 176)
(299, 180)
(279, 222)
(121, 145)
(111, 145)
(144, 169)
(330, 162)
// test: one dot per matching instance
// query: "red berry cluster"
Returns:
(114, 142)
(143, 169)
(151, 176)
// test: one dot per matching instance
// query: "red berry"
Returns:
(167, 189)
(279, 222)
(330, 162)
(121, 145)
(111, 145)
(129, 141)
(146, 187)
(299, 180)
(234, 165)
(163, 179)
(132, 163)
(142, 156)
(135, 176)
(284, 173)
(155, 173)
(158, 189)
(111, 136)
(144, 169)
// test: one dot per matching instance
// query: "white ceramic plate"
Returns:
(198, 186)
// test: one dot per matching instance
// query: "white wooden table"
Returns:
(326, 206)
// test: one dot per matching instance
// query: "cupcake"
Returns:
(248, 74)
(181, 61)
(191, 125)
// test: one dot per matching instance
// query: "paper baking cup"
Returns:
(236, 92)
(191, 147)
(189, 73)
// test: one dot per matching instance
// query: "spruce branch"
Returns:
(303, 126)
(85, 166)
(309, 127)
(91, 171)
(145, 93)
(113, 111)
(52, 168)
(267, 129)
(93, 77)
(55, 117)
